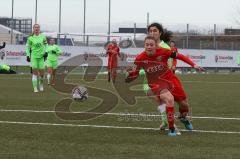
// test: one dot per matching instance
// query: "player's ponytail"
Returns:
(166, 36)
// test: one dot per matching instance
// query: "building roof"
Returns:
(4, 29)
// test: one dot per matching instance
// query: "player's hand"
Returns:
(4, 44)
(54, 52)
(28, 59)
(45, 55)
(129, 76)
(199, 68)
(173, 68)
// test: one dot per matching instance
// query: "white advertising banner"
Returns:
(15, 55)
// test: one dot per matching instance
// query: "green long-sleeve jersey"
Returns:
(53, 52)
(36, 45)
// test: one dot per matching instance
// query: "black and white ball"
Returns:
(80, 94)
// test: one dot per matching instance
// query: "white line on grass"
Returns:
(210, 82)
(113, 114)
(111, 127)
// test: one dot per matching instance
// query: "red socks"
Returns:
(183, 110)
(170, 116)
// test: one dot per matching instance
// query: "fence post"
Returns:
(187, 36)
(214, 36)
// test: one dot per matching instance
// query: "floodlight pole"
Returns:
(12, 22)
(36, 8)
(187, 35)
(84, 21)
(147, 19)
(59, 24)
(109, 19)
(214, 37)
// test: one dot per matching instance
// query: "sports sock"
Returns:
(41, 83)
(34, 82)
(49, 78)
(183, 110)
(162, 109)
(170, 116)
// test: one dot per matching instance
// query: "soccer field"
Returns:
(30, 127)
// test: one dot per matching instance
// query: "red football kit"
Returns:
(174, 62)
(158, 74)
(113, 53)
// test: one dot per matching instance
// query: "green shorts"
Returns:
(37, 63)
(145, 82)
(52, 64)
(146, 88)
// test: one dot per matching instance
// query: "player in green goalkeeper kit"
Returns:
(36, 46)
(53, 52)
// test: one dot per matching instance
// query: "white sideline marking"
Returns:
(216, 82)
(113, 114)
(111, 127)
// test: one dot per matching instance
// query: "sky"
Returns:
(124, 13)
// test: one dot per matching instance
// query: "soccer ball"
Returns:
(80, 94)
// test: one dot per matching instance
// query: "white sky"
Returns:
(125, 13)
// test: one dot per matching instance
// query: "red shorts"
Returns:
(161, 85)
(112, 63)
(111, 66)
(177, 90)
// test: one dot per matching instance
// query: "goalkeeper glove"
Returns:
(28, 59)
(3, 46)
(45, 55)
(54, 52)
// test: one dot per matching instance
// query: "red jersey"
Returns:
(174, 62)
(156, 67)
(113, 52)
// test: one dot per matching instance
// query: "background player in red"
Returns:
(174, 61)
(160, 78)
(113, 53)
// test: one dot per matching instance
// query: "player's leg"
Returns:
(109, 73)
(41, 73)
(49, 74)
(53, 77)
(181, 98)
(49, 71)
(34, 65)
(55, 65)
(184, 109)
(168, 99)
(114, 74)
(161, 107)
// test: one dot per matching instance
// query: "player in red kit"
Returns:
(113, 53)
(174, 61)
(161, 80)
(156, 30)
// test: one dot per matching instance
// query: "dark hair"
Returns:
(157, 25)
(166, 35)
